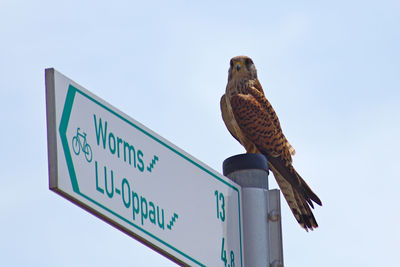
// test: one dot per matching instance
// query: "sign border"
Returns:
(53, 169)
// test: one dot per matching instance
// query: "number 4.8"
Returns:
(220, 205)
(223, 255)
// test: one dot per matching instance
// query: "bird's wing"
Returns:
(258, 92)
(227, 117)
(259, 123)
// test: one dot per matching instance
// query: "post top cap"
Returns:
(244, 162)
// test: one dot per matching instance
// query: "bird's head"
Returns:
(242, 67)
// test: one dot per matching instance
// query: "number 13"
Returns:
(220, 204)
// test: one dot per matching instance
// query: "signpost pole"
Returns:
(262, 234)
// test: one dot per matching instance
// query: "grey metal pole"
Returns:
(250, 171)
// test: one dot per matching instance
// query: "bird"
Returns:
(251, 120)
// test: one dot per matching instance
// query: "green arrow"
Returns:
(63, 135)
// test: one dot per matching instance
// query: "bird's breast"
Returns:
(231, 122)
(235, 87)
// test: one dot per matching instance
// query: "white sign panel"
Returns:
(114, 167)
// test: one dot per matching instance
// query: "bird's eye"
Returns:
(231, 63)
(248, 61)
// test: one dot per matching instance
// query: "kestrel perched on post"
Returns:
(250, 118)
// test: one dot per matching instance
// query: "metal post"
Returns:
(262, 234)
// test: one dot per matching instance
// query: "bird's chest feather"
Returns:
(233, 126)
(236, 87)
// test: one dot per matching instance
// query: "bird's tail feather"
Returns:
(294, 179)
(299, 199)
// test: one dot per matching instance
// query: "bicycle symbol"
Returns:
(78, 142)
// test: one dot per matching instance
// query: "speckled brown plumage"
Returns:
(251, 119)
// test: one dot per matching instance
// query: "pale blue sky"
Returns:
(331, 71)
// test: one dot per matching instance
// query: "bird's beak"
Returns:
(238, 66)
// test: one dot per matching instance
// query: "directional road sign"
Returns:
(116, 168)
